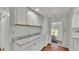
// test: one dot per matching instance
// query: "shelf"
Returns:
(27, 25)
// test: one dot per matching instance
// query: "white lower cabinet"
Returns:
(33, 47)
(76, 44)
(16, 47)
(39, 45)
(36, 46)
(25, 48)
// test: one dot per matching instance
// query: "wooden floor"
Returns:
(50, 47)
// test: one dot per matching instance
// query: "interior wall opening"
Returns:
(56, 33)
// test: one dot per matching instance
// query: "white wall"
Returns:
(70, 31)
(45, 32)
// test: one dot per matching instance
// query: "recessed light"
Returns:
(29, 12)
(37, 9)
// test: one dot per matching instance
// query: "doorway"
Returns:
(56, 33)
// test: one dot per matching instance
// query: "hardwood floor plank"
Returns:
(51, 47)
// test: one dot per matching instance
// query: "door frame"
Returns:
(59, 25)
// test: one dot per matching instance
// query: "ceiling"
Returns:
(53, 11)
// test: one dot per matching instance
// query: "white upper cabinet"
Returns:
(25, 16)
(75, 19)
(76, 44)
(19, 15)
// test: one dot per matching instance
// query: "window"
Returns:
(55, 31)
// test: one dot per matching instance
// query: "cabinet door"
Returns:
(33, 18)
(20, 15)
(76, 45)
(25, 48)
(33, 47)
(40, 45)
(75, 21)
(26, 16)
